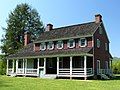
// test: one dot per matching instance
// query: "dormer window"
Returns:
(71, 43)
(83, 42)
(60, 44)
(50, 46)
(42, 46)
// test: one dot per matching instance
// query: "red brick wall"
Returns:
(36, 47)
(100, 53)
(65, 45)
(89, 42)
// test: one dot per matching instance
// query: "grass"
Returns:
(22, 83)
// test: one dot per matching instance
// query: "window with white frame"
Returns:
(83, 42)
(42, 46)
(60, 44)
(50, 46)
(98, 43)
(71, 43)
(106, 46)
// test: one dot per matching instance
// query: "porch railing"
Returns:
(78, 71)
(75, 71)
(10, 71)
(105, 71)
(31, 71)
(64, 71)
(20, 71)
(90, 71)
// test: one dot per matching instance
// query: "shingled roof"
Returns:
(73, 31)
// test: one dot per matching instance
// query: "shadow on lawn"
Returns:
(113, 78)
(116, 78)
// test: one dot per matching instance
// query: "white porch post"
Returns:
(85, 68)
(13, 66)
(23, 66)
(44, 65)
(57, 65)
(16, 66)
(7, 66)
(38, 67)
(70, 67)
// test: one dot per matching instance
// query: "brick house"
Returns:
(80, 50)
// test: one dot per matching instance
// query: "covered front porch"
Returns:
(68, 66)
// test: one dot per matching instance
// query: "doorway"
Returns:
(51, 65)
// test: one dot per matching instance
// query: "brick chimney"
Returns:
(49, 27)
(98, 18)
(26, 38)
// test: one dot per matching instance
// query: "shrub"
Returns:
(116, 67)
(2, 65)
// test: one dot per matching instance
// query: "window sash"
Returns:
(59, 44)
(42, 46)
(50, 46)
(71, 43)
(98, 43)
(83, 42)
(106, 46)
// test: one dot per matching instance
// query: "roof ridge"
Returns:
(72, 25)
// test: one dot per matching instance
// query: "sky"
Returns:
(70, 12)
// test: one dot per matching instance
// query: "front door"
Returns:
(51, 66)
(98, 67)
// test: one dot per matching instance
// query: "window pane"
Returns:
(82, 42)
(106, 46)
(59, 44)
(42, 46)
(50, 45)
(71, 43)
(98, 43)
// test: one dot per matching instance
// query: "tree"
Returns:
(22, 19)
(2, 65)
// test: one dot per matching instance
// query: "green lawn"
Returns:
(22, 83)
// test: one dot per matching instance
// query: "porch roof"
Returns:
(28, 52)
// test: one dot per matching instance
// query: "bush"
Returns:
(2, 65)
(116, 67)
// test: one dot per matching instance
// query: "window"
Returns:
(71, 43)
(106, 46)
(100, 30)
(42, 46)
(98, 43)
(60, 44)
(83, 42)
(50, 46)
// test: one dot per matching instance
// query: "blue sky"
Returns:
(68, 12)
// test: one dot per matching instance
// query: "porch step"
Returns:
(104, 76)
(50, 76)
(13, 75)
